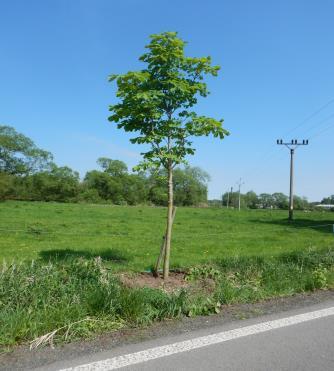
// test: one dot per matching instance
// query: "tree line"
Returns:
(29, 173)
(276, 200)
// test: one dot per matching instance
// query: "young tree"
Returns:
(156, 103)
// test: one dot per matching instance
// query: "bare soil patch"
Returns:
(175, 281)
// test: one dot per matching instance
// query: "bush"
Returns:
(89, 195)
(6, 186)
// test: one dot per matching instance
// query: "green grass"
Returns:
(51, 278)
(129, 238)
(80, 298)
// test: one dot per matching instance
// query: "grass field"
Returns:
(129, 237)
(233, 257)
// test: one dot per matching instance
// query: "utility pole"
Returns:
(240, 183)
(292, 146)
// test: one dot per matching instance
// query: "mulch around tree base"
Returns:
(175, 281)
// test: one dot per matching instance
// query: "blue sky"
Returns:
(277, 70)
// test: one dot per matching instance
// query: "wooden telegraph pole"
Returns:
(292, 146)
(240, 183)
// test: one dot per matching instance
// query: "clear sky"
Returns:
(277, 61)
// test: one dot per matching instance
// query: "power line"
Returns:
(265, 163)
(269, 154)
(322, 131)
(310, 117)
(318, 124)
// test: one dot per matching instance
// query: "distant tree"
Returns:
(108, 187)
(266, 200)
(280, 200)
(222, 202)
(115, 184)
(89, 195)
(157, 102)
(58, 184)
(156, 182)
(112, 167)
(328, 200)
(135, 190)
(300, 203)
(233, 199)
(7, 186)
(189, 186)
(250, 199)
(19, 155)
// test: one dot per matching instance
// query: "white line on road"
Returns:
(203, 341)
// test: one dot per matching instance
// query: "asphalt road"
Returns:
(300, 339)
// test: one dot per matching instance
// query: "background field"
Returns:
(129, 237)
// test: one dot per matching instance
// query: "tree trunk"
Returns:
(169, 221)
(162, 249)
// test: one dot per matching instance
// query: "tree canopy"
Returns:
(19, 154)
(157, 101)
(112, 167)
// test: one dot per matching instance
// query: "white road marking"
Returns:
(203, 341)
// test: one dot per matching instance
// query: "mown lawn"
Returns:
(129, 237)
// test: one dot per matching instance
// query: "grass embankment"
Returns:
(235, 258)
(82, 298)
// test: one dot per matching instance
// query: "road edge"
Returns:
(21, 358)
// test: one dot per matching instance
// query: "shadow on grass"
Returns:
(113, 255)
(324, 226)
